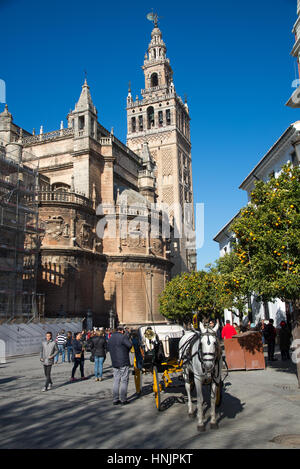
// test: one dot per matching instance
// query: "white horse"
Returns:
(201, 360)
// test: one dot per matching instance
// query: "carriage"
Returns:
(156, 351)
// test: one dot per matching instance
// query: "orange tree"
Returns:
(200, 292)
(268, 241)
(235, 284)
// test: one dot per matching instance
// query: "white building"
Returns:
(285, 150)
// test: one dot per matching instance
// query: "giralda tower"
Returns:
(161, 120)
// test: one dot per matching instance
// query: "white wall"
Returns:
(25, 339)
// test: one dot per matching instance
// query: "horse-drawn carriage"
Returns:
(194, 355)
(156, 349)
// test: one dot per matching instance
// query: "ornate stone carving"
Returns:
(54, 227)
(156, 246)
(86, 236)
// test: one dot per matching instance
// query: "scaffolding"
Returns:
(19, 238)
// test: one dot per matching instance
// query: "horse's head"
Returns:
(209, 344)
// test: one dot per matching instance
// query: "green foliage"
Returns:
(268, 237)
(235, 282)
(265, 258)
(192, 292)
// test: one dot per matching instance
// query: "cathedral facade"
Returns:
(99, 200)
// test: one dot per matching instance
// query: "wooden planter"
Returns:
(245, 352)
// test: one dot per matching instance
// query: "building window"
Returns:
(168, 117)
(141, 123)
(154, 80)
(294, 159)
(160, 118)
(133, 124)
(81, 123)
(150, 117)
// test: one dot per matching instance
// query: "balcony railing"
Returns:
(65, 197)
(48, 136)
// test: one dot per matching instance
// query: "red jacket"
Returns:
(228, 331)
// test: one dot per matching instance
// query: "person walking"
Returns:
(270, 336)
(69, 346)
(261, 328)
(284, 341)
(49, 350)
(119, 347)
(78, 352)
(228, 331)
(61, 341)
(98, 350)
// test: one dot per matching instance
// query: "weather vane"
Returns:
(153, 17)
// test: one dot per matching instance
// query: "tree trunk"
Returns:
(296, 334)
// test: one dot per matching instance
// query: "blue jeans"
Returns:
(98, 366)
(70, 353)
(61, 350)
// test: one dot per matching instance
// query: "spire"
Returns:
(147, 158)
(157, 48)
(85, 102)
(6, 113)
(129, 96)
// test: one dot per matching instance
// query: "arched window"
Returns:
(150, 117)
(141, 123)
(133, 124)
(154, 80)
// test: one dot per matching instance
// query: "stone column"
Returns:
(149, 299)
(119, 295)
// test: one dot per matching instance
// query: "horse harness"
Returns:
(187, 354)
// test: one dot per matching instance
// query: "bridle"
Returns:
(187, 357)
(203, 355)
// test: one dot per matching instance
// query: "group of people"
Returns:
(119, 343)
(268, 334)
(98, 342)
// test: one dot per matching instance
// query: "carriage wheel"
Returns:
(156, 387)
(137, 377)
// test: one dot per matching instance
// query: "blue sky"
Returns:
(231, 58)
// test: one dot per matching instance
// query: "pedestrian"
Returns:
(119, 347)
(270, 336)
(237, 328)
(78, 351)
(261, 328)
(228, 331)
(98, 350)
(49, 350)
(69, 346)
(284, 341)
(61, 341)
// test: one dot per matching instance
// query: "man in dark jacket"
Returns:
(270, 336)
(284, 341)
(78, 353)
(119, 347)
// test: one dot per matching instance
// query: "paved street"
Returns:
(257, 406)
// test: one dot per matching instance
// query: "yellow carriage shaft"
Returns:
(172, 367)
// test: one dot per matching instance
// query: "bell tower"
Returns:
(161, 119)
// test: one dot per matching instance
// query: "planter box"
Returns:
(245, 352)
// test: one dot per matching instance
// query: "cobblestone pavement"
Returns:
(257, 406)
